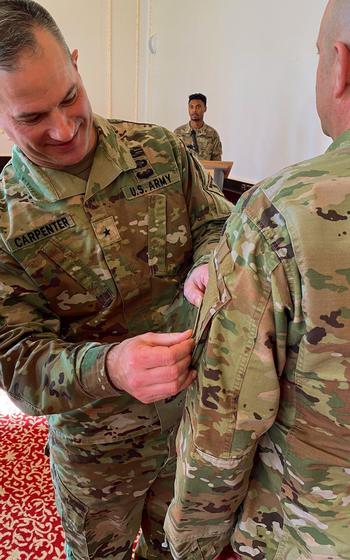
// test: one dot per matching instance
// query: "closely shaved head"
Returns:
(335, 24)
(333, 72)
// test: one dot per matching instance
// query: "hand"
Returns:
(152, 366)
(196, 284)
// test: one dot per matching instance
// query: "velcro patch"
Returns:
(41, 232)
(159, 182)
(106, 231)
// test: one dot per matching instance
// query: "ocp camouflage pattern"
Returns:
(264, 444)
(84, 265)
(208, 141)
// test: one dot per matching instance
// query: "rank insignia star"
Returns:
(106, 231)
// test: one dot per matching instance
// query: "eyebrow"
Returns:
(33, 113)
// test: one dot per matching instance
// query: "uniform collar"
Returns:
(198, 130)
(342, 141)
(112, 157)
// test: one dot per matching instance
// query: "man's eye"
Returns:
(31, 120)
(70, 99)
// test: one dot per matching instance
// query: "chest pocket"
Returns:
(71, 287)
(169, 235)
(157, 234)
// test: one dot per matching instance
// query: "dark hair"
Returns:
(199, 96)
(19, 19)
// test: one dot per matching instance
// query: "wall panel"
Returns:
(256, 61)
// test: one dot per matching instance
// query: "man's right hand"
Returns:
(152, 366)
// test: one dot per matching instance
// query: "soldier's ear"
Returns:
(74, 58)
(342, 69)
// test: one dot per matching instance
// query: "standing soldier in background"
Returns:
(264, 448)
(197, 135)
(100, 223)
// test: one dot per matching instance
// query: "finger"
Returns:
(187, 380)
(199, 277)
(151, 357)
(166, 339)
(164, 391)
(194, 291)
(154, 379)
(194, 295)
(205, 277)
(167, 374)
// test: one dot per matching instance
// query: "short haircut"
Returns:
(19, 19)
(199, 96)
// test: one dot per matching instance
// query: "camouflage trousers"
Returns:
(105, 493)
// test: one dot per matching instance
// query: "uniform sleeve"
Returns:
(217, 149)
(43, 373)
(207, 207)
(240, 353)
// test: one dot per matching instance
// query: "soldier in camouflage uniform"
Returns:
(264, 446)
(197, 135)
(100, 223)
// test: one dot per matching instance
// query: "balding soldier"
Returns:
(265, 444)
(100, 222)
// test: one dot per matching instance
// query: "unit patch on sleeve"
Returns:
(41, 232)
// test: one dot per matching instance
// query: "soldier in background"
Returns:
(264, 448)
(100, 224)
(197, 135)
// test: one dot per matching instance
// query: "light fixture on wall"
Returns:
(153, 43)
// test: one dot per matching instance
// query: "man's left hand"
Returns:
(196, 284)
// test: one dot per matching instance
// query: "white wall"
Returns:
(85, 25)
(255, 60)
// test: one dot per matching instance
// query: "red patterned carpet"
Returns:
(30, 528)
(29, 525)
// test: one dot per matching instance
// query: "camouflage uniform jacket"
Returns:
(208, 141)
(84, 265)
(264, 445)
